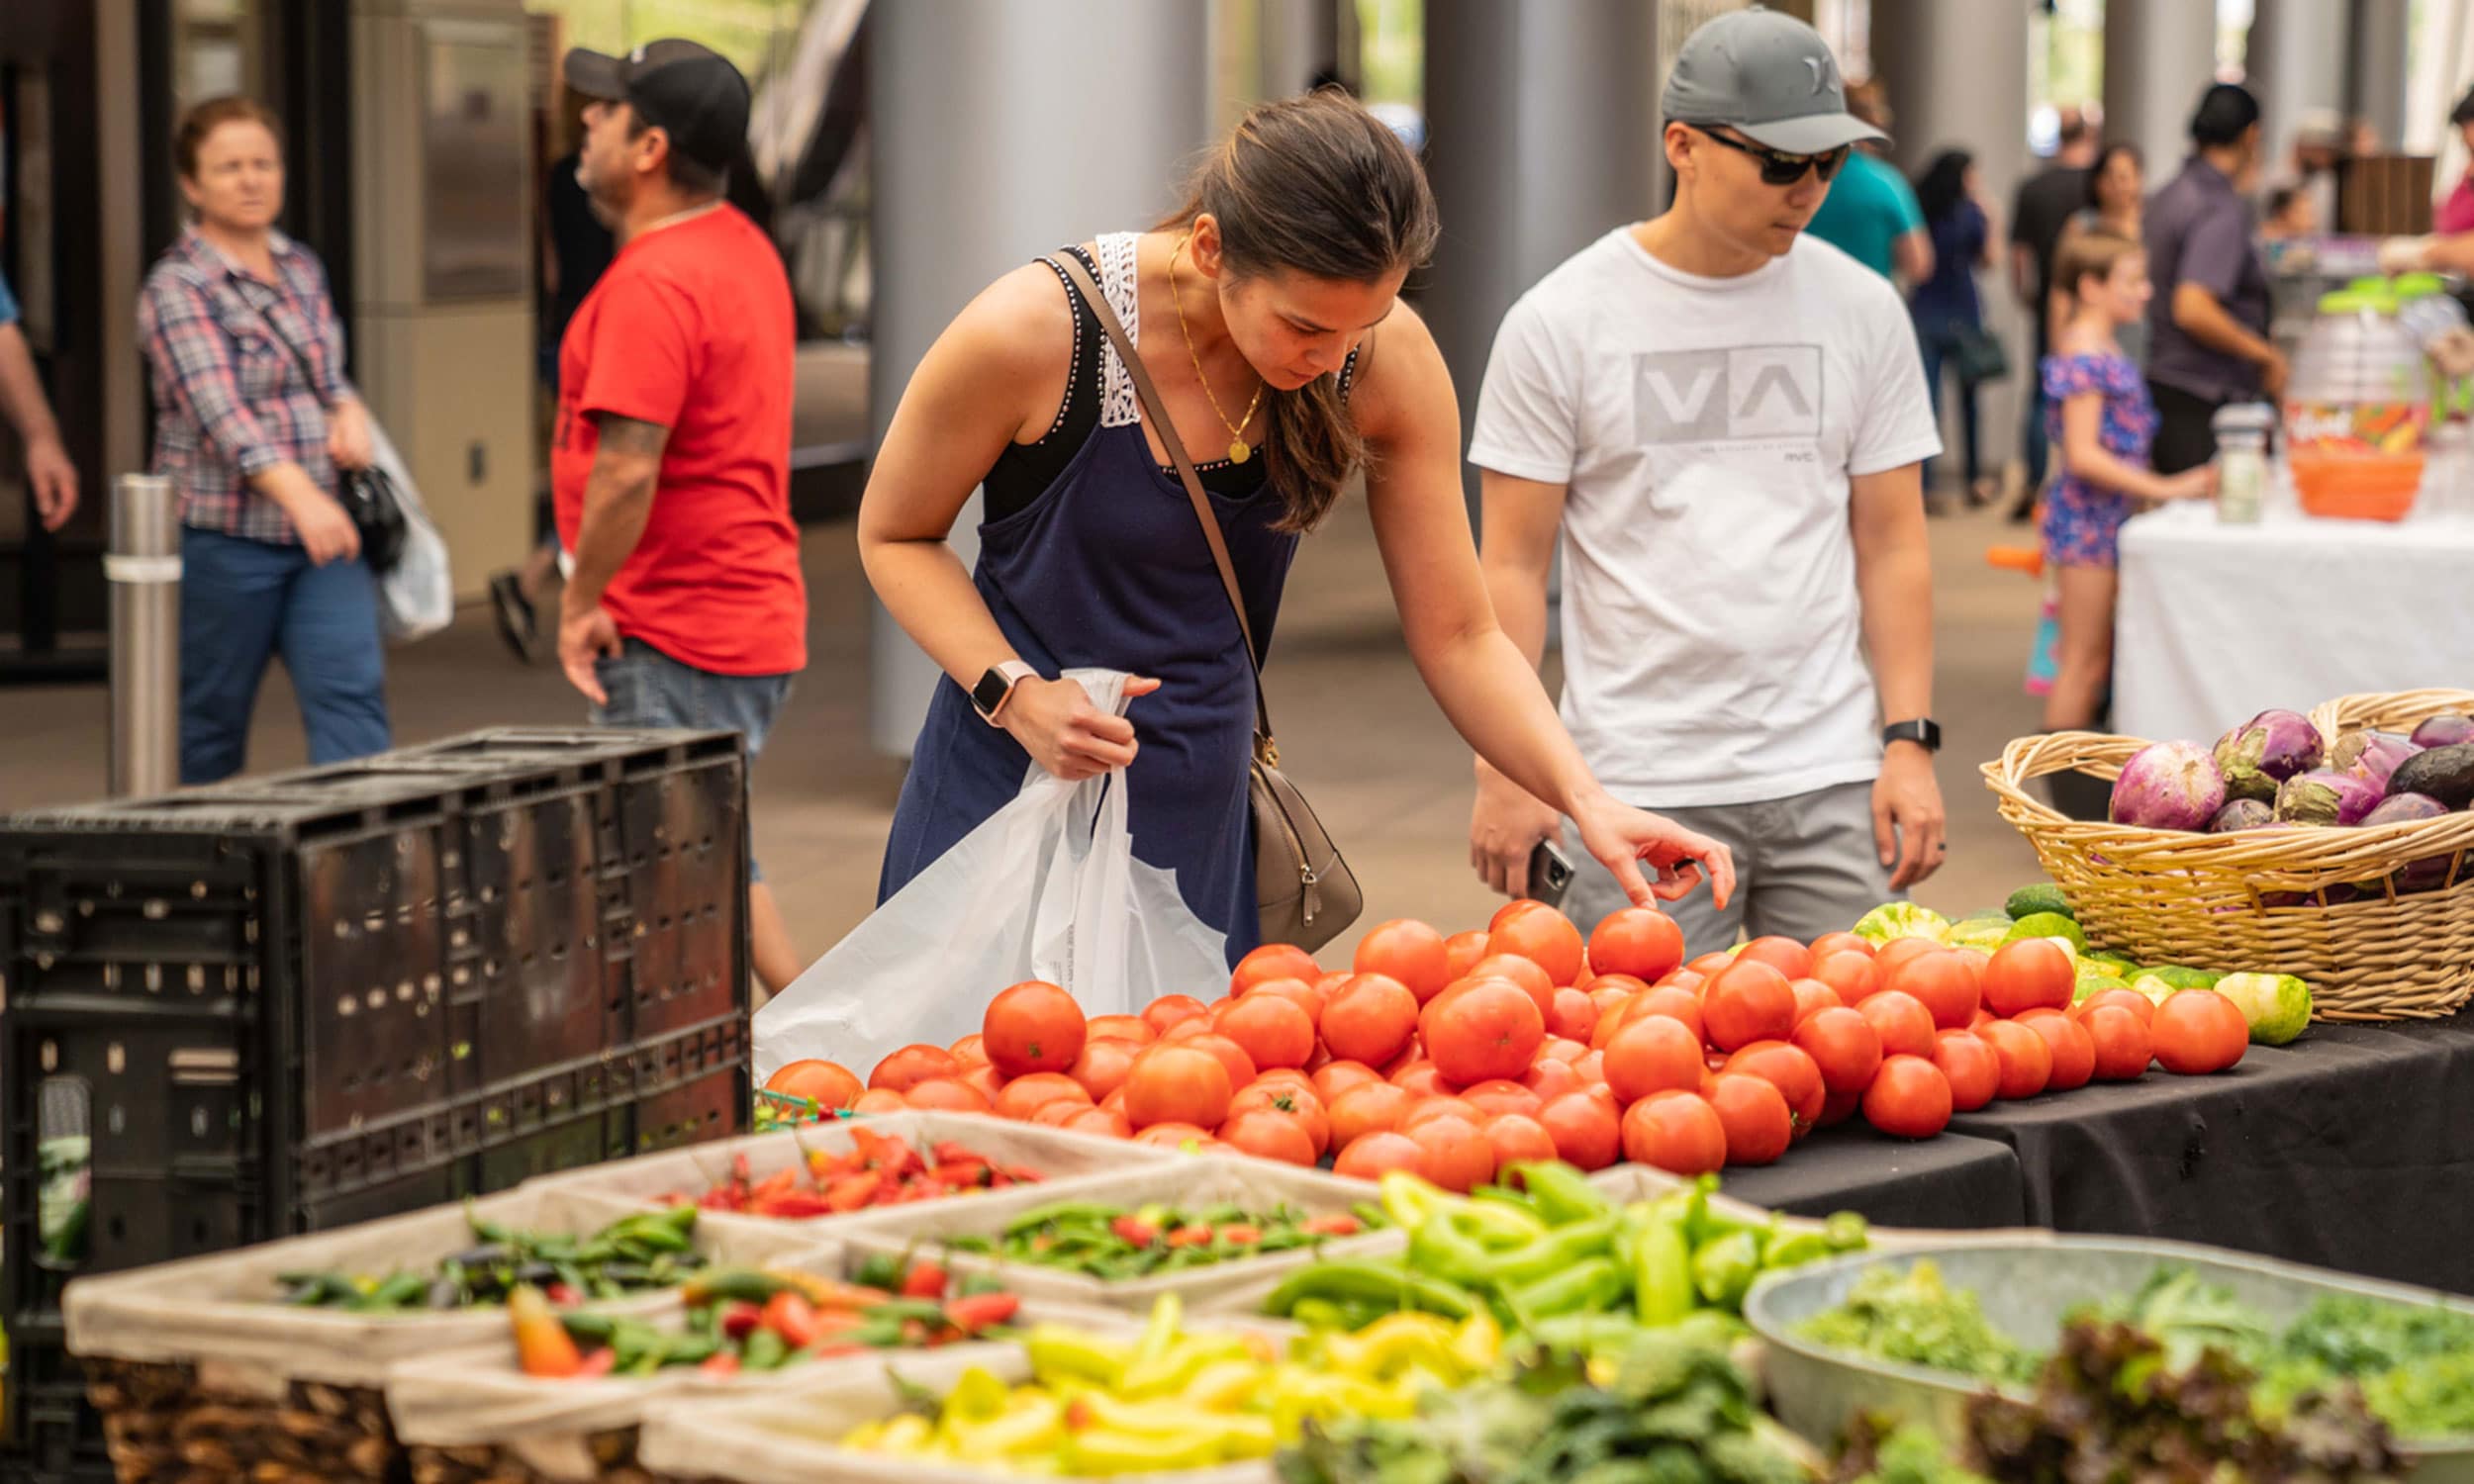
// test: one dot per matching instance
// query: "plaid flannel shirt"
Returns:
(230, 400)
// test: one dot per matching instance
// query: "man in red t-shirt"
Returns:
(670, 468)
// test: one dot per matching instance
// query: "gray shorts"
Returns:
(647, 688)
(1804, 866)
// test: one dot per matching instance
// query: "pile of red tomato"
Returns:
(1453, 1056)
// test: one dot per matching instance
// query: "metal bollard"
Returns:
(144, 569)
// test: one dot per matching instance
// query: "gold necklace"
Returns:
(1238, 450)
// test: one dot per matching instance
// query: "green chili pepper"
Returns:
(1441, 1245)
(1590, 1284)
(1560, 1193)
(765, 1350)
(1848, 1232)
(1585, 1333)
(1060, 1213)
(591, 1329)
(1376, 1285)
(1796, 1250)
(1724, 1268)
(1661, 1272)
(880, 1270)
(1552, 1252)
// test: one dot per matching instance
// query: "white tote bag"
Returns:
(1047, 888)
(416, 596)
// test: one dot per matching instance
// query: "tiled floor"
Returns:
(1357, 726)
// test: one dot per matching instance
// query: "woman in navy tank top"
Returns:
(1265, 312)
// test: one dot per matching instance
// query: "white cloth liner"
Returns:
(1050, 889)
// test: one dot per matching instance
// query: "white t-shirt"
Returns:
(1706, 429)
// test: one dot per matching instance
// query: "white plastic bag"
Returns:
(416, 596)
(1047, 888)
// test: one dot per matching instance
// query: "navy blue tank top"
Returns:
(1107, 567)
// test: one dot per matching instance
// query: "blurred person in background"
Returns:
(2321, 146)
(2102, 425)
(669, 466)
(1948, 308)
(2115, 201)
(2208, 322)
(1719, 423)
(1870, 213)
(2456, 212)
(576, 246)
(254, 423)
(49, 474)
(2289, 215)
(2043, 208)
(1265, 312)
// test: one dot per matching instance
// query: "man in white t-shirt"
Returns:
(1718, 422)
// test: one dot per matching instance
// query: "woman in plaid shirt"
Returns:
(253, 420)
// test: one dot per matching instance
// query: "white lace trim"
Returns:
(1119, 405)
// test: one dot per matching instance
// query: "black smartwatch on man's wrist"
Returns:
(1923, 731)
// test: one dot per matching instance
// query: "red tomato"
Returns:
(1651, 1055)
(1424, 1080)
(1458, 1156)
(1128, 1028)
(1853, 976)
(1708, 965)
(1509, 911)
(905, 1069)
(1273, 961)
(1333, 1078)
(1982, 1019)
(1369, 1108)
(1520, 970)
(1369, 1019)
(1745, 1003)
(1643, 942)
(1550, 1078)
(1273, 1030)
(1624, 985)
(2198, 1031)
(1501, 1096)
(1518, 1139)
(1676, 1131)
(1844, 1048)
(1375, 1155)
(2074, 1051)
(1178, 1083)
(2123, 1048)
(1034, 1026)
(1269, 1136)
(1684, 979)
(1904, 1025)
(1543, 936)
(1834, 943)
(1755, 1115)
(1909, 1098)
(1971, 1066)
(1898, 951)
(1557, 1049)
(1409, 951)
(2026, 1062)
(1462, 951)
(1789, 1068)
(2030, 974)
(1104, 1066)
(1785, 955)
(1170, 1009)
(1591, 1070)
(1575, 1016)
(1238, 1061)
(1943, 982)
(1585, 1129)
(2139, 1005)
(1839, 1107)
(1812, 996)
(1674, 1005)
(1489, 1030)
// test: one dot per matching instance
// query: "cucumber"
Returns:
(2043, 897)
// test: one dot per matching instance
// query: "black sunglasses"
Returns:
(1780, 169)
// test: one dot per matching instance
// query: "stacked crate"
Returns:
(288, 1003)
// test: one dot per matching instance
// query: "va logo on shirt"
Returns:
(1743, 395)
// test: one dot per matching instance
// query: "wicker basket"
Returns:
(2317, 903)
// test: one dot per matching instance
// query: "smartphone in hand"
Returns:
(1550, 874)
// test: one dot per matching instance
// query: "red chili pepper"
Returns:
(854, 1192)
(799, 1205)
(598, 1364)
(925, 1280)
(740, 1177)
(1191, 1237)
(1135, 1231)
(562, 1295)
(830, 1351)
(1241, 1234)
(975, 1312)
(772, 1188)
(793, 1318)
(1021, 1176)
(742, 1319)
(719, 1364)
(1339, 1225)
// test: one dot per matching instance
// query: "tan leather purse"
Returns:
(1305, 892)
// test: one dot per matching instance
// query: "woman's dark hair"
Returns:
(2281, 199)
(1943, 184)
(2105, 158)
(1315, 185)
(213, 114)
(2463, 113)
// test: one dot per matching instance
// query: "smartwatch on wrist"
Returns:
(1923, 731)
(995, 687)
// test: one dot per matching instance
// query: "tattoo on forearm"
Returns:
(633, 439)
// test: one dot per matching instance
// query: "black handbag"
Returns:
(368, 495)
(1977, 355)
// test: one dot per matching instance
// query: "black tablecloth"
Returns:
(1949, 1181)
(2352, 1148)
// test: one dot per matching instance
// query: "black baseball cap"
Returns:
(688, 91)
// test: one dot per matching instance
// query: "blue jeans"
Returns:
(244, 602)
(649, 689)
(1936, 343)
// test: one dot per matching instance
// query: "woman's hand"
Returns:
(1061, 729)
(1504, 829)
(326, 533)
(2190, 484)
(1622, 838)
(347, 436)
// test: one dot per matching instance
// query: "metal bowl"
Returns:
(2026, 1288)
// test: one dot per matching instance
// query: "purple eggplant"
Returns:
(2446, 773)
(2240, 814)
(2326, 798)
(2444, 732)
(2370, 756)
(2265, 751)
(2167, 786)
(2428, 874)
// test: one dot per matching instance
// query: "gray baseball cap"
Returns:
(1770, 77)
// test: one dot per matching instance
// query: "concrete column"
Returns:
(2159, 57)
(2381, 66)
(998, 130)
(1543, 135)
(1957, 74)
(1301, 38)
(2297, 60)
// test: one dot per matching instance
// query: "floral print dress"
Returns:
(2082, 524)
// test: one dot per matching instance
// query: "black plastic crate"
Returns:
(288, 1003)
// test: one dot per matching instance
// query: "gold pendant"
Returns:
(1238, 452)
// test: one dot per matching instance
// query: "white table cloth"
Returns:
(2219, 622)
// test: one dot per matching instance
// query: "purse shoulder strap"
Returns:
(1157, 411)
